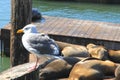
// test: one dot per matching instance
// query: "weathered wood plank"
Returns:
(95, 32)
(77, 24)
(117, 35)
(81, 32)
(18, 72)
(90, 30)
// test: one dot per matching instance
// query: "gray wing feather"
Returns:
(42, 43)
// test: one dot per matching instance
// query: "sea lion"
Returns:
(76, 51)
(57, 68)
(117, 73)
(92, 70)
(36, 15)
(97, 51)
(114, 55)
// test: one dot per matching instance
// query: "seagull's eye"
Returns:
(26, 28)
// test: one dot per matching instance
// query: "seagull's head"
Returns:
(30, 28)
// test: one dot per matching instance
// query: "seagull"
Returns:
(38, 43)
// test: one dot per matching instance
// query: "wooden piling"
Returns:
(21, 15)
(5, 42)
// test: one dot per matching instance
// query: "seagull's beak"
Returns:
(20, 31)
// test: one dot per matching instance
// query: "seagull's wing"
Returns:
(42, 43)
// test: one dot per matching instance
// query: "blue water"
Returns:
(4, 12)
(85, 11)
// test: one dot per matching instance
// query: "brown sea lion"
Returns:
(92, 70)
(117, 73)
(63, 44)
(114, 55)
(97, 51)
(76, 51)
(57, 68)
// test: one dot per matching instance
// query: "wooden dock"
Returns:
(76, 31)
(80, 28)
(82, 31)
(72, 31)
(19, 73)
